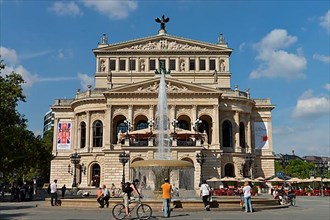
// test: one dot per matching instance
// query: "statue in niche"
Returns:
(142, 65)
(215, 74)
(103, 66)
(222, 66)
(182, 65)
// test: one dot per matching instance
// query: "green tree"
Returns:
(22, 155)
(295, 168)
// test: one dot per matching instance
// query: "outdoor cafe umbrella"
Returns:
(226, 179)
(276, 179)
(214, 180)
(294, 180)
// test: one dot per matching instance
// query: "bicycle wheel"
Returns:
(144, 211)
(118, 211)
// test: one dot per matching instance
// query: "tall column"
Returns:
(117, 64)
(197, 64)
(215, 125)
(88, 131)
(248, 133)
(107, 128)
(217, 64)
(130, 114)
(77, 132)
(56, 121)
(236, 130)
(207, 64)
(193, 114)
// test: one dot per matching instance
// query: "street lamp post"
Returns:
(323, 167)
(174, 124)
(75, 159)
(249, 158)
(197, 123)
(123, 159)
(200, 157)
(128, 123)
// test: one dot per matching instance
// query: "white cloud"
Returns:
(325, 21)
(11, 58)
(327, 86)
(8, 55)
(113, 9)
(310, 107)
(293, 137)
(66, 8)
(85, 80)
(277, 63)
(322, 58)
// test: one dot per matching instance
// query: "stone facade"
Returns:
(126, 88)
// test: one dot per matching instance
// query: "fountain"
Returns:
(162, 165)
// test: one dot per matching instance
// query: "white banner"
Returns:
(261, 135)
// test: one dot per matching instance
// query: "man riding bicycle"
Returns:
(127, 189)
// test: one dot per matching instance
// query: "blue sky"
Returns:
(280, 51)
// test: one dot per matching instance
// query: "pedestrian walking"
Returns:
(205, 193)
(53, 192)
(167, 189)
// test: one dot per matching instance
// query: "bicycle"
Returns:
(143, 211)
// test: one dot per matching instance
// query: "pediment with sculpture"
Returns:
(172, 86)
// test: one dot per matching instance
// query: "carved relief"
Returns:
(97, 116)
(207, 111)
(164, 45)
(141, 111)
(169, 87)
(119, 111)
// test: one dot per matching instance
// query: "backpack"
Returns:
(48, 189)
(127, 188)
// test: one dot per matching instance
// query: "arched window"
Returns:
(227, 134)
(96, 175)
(82, 134)
(121, 126)
(141, 125)
(229, 170)
(242, 135)
(183, 125)
(97, 133)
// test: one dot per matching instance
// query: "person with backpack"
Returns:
(127, 189)
(205, 194)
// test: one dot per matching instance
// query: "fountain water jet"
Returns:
(162, 166)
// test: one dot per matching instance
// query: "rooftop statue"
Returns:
(162, 22)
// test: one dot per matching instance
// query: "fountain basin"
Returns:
(162, 163)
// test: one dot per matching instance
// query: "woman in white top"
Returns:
(247, 197)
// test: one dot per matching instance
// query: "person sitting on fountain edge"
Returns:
(128, 188)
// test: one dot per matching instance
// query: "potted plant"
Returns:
(231, 184)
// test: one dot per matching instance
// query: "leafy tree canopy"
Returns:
(22, 155)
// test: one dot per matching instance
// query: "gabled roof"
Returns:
(163, 43)
(173, 86)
